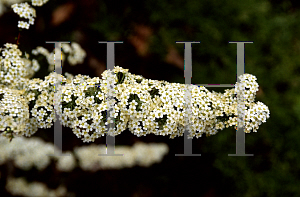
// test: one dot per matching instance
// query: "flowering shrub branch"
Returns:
(20, 186)
(144, 106)
(27, 153)
(34, 152)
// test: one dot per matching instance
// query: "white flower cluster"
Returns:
(256, 113)
(12, 66)
(13, 111)
(24, 10)
(14, 75)
(40, 98)
(139, 154)
(19, 186)
(14, 70)
(27, 153)
(75, 53)
(38, 2)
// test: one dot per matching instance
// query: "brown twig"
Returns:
(18, 38)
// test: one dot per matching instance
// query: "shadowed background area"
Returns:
(149, 30)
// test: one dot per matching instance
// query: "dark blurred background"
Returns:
(149, 30)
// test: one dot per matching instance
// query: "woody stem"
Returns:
(18, 38)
